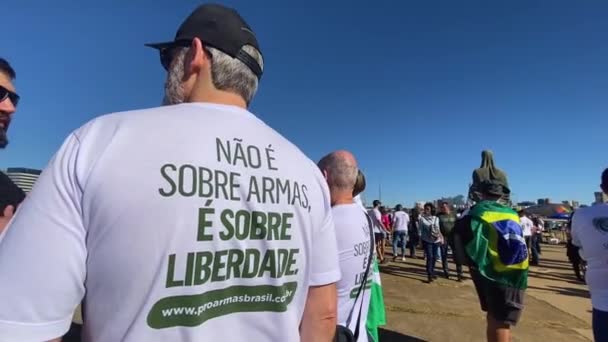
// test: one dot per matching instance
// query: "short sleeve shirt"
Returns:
(182, 223)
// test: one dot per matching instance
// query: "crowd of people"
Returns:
(236, 234)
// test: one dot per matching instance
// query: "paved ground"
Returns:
(557, 305)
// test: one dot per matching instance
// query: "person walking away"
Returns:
(376, 314)
(535, 242)
(590, 234)
(526, 225)
(189, 243)
(537, 235)
(379, 229)
(489, 237)
(402, 221)
(430, 234)
(447, 220)
(386, 220)
(354, 235)
(413, 232)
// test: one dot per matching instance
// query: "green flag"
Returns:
(376, 315)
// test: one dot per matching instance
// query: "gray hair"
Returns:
(227, 74)
(341, 172)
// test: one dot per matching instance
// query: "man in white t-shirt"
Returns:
(380, 230)
(590, 233)
(354, 241)
(402, 220)
(187, 222)
(526, 226)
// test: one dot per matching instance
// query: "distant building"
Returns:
(600, 197)
(540, 201)
(525, 204)
(23, 177)
(575, 204)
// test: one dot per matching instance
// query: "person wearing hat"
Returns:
(488, 171)
(219, 230)
(490, 239)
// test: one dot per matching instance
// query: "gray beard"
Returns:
(174, 89)
(3, 139)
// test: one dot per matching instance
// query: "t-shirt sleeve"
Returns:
(325, 267)
(43, 253)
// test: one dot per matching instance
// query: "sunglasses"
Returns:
(168, 53)
(5, 93)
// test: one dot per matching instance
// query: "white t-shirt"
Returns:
(402, 220)
(357, 199)
(526, 225)
(590, 233)
(183, 223)
(352, 233)
(376, 217)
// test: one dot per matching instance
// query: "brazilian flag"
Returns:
(498, 247)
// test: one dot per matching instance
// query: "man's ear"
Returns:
(196, 58)
(324, 173)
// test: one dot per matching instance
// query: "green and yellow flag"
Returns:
(498, 247)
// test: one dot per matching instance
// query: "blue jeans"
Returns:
(432, 254)
(534, 249)
(600, 325)
(399, 236)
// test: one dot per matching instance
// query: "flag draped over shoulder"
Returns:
(376, 315)
(498, 247)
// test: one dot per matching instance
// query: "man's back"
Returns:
(526, 225)
(590, 232)
(187, 221)
(402, 220)
(353, 236)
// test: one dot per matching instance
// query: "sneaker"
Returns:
(402, 258)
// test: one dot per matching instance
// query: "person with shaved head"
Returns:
(355, 242)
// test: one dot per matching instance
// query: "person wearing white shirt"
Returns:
(165, 222)
(526, 226)
(401, 222)
(380, 230)
(590, 234)
(353, 234)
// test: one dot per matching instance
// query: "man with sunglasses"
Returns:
(10, 194)
(187, 222)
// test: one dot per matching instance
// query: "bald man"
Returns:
(355, 241)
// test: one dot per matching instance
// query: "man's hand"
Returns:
(320, 314)
(7, 215)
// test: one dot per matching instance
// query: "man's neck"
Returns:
(218, 97)
(341, 197)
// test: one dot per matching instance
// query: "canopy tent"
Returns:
(557, 211)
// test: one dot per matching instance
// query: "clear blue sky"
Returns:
(416, 89)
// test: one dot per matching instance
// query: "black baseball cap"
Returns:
(219, 27)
